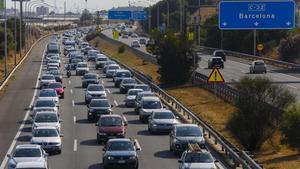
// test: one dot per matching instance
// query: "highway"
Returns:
(236, 68)
(80, 149)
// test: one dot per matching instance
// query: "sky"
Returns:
(79, 5)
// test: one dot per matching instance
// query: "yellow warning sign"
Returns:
(191, 36)
(215, 77)
(116, 34)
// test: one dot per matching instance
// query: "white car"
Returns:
(130, 97)
(48, 137)
(148, 105)
(82, 68)
(111, 69)
(27, 153)
(46, 118)
(197, 159)
(45, 79)
(57, 58)
(101, 59)
(53, 63)
(135, 44)
(44, 104)
(32, 165)
(50, 94)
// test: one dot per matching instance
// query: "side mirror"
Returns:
(176, 117)
(9, 156)
(111, 106)
(39, 78)
(60, 120)
(125, 123)
(103, 149)
(46, 154)
(216, 161)
(88, 105)
(64, 87)
(179, 161)
(61, 135)
(96, 124)
(138, 149)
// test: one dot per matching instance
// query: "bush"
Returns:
(260, 107)
(290, 126)
(289, 49)
(121, 49)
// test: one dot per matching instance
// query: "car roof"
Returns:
(186, 125)
(119, 139)
(135, 90)
(31, 164)
(122, 70)
(95, 85)
(46, 112)
(44, 99)
(259, 61)
(45, 127)
(141, 84)
(28, 146)
(113, 65)
(151, 98)
(146, 92)
(82, 63)
(110, 115)
(162, 111)
(47, 75)
(99, 100)
(216, 57)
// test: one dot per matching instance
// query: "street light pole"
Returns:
(157, 15)
(15, 33)
(5, 40)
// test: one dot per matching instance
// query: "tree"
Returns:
(289, 48)
(290, 126)
(172, 57)
(86, 18)
(259, 111)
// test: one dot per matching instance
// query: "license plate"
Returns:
(121, 161)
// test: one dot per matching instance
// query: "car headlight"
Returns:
(89, 95)
(154, 124)
(132, 157)
(110, 158)
(12, 165)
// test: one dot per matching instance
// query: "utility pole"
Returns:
(254, 42)
(15, 33)
(5, 40)
(180, 14)
(157, 15)
(65, 11)
(199, 20)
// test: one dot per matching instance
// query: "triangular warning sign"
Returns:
(215, 77)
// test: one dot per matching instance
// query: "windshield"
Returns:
(45, 103)
(128, 81)
(95, 88)
(27, 152)
(101, 59)
(123, 74)
(164, 115)
(54, 85)
(48, 93)
(259, 63)
(46, 118)
(99, 103)
(120, 146)
(198, 157)
(188, 131)
(82, 65)
(48, 78)
(89, 76)
(152, 105)
(144, 87)
(111, 121)
(113, 67)
(45, 133)
(133, 92)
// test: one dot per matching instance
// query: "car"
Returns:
(220, 53)
(74, 62)
(215, 62)
(258, 66)
(125, 36)
(98, 107)
(49, 55)
(119, 75)
(89, 78)
(148, 105)
(56, 73)
(86, 50)
(83, 45)
(45, 79)
(126, 84)
(107, 63)
(94, 91)
(161, 121)
(91, 55)
(82, 68)
(32, 165)
(138, 99)
(111, 69)
(48, 137)
(143, 41)
(53, 63)
(197, 158)
(120, 152)
(111, 126)
(44, 104)
(130, 97)
(135, 44)
(46, 118)
(56, 57)
(26, 153)
(144, 87)
(59, 88)
(183, 134)
(101, 59)
(134, 35)
(52, 48)
(49, 94)
(68, 49)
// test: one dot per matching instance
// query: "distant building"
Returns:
(128, 8)
(42, 10)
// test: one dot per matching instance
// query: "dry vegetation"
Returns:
(214, 111)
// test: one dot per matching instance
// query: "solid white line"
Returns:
(74, 119)
(73, 103)
(102, 81)
(4, 162)
(75, 145)
(69, 81)
(108, 91)
(116, 103)
(71, 91)
(292, 86)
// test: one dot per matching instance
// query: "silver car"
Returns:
(130, 97)
(48, 137)
(101, 59)
(27, 153)
(148, 105)
(45, 79)
(94, 91)
(82, 68)
(111, 69)
(46, 118)
(258, 66)
(44, 104)
(161, 121)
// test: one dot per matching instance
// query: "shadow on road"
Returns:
(24, 138)
(91, 142)
(165, 154)
(96, 166)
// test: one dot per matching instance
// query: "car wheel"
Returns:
(63, 96)
(90, 119)
(150, 130)
(137, 165)
(140, 118)
(59, 151)
(99, 141)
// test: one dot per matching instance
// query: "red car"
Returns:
(111, 126)
(60, 90)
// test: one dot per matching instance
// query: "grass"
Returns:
(214, 111)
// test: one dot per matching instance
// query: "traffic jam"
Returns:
(69, 55)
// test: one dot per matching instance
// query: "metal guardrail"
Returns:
(237, 157)
(273, 62)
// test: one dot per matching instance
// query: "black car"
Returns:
(126, 84)
(220, 53)
(89, 78)
(98, 107)
(215, 62)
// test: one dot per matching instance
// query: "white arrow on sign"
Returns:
(224, 23)
(256, 23)
(288, 23)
